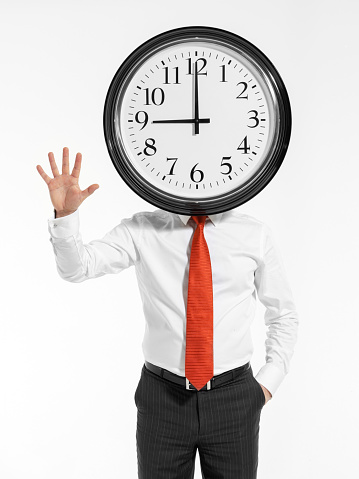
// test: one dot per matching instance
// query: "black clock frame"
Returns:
(222, 202)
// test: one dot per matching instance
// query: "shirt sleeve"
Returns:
(77, 262)
(280, 316)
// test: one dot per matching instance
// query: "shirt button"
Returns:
(55, 225)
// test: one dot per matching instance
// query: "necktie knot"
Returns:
(199, 220)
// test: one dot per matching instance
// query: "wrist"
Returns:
(61, 214)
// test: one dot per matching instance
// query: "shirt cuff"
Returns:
(270, 376)
(64, 227)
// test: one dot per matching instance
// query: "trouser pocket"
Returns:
(138, 389)
(260, 391)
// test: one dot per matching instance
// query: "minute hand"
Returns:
(196, 104)
(189, 120)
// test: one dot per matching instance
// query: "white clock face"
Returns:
(196, 119)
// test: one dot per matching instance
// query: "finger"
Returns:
(86, 193)
(65, 161)
(46, 178)
(53, 165)
(77, 166)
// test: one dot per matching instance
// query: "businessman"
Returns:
(199, 278)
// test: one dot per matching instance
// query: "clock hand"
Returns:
(196, 120)
(196, 106)
(189, 120)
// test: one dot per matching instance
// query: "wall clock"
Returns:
(197, 120)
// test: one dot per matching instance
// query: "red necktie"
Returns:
(199, 330)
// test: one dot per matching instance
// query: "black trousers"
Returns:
(222, 423)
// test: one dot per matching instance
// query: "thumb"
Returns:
(88, 191)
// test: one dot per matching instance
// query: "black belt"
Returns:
(212, 383)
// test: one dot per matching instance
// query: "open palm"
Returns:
(65, 193)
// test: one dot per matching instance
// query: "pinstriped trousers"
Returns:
(222, 423)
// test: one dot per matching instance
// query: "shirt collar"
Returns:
(214, 218)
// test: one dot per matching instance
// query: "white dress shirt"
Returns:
(244, 261)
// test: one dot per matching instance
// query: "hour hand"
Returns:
(186, 120)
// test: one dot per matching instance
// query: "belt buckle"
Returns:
(188, 385)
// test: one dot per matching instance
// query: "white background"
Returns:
(70, 354)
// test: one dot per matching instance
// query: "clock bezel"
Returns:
(217, 203)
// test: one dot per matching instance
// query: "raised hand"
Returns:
(65, 193)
